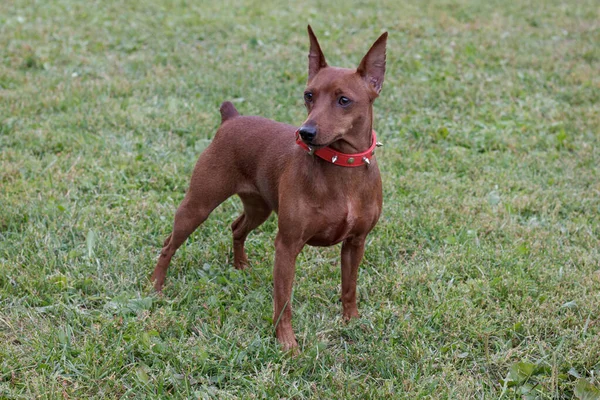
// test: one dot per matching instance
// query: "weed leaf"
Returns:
(584, 390)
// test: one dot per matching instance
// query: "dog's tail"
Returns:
(228, 111)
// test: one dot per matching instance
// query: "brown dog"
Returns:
(321, 178)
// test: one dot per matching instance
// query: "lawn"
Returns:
(481, 280)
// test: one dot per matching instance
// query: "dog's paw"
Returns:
(158, 280)
(240, 261)
(351, 313)
(290, 348)
(240, 265)
(288, 342)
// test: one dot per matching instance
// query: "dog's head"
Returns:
(339, 101)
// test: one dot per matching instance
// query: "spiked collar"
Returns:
(339, 158)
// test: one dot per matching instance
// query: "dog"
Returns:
(322, 179)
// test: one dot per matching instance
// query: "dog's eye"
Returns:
(344, 101)
(308, 96)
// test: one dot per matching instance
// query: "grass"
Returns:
(482, 279)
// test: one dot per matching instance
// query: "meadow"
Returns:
(481, 280)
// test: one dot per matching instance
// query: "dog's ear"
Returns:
(372, 66)
(316, 59)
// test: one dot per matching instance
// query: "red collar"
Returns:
(341, 159)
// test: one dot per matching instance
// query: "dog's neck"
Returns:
(356, 142)
(353, 145)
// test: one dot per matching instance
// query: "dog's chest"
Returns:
(342, 220)
(346, 221)
(351, 217)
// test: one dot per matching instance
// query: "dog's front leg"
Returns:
(286, 252)
(353, 250)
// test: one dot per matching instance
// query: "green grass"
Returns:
(482, 279)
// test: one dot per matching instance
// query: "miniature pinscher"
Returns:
(321, 179)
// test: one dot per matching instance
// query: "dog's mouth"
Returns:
(315, 146)
(318, 146)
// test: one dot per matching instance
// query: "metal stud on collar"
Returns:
(334, 159)
(367, 161)
(378, 144)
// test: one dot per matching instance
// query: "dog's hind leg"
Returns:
(209, 188)
(256, 211)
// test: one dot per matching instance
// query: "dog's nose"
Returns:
(307, 133)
